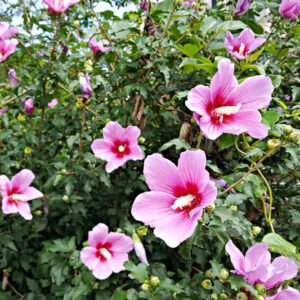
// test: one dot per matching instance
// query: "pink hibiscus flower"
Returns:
(29, 106)
(177, 197)
(227, 107)
(59, 5)
(52, 103)
(118, 146)
(7, 48)
(6, 32)
(288, 294)
(256, 266)
(100, 46)
(17, 192)
(107, 252)
(289, 9)
(243, 45)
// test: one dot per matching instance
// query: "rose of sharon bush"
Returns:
(243, 45)
(289, 9)
(17, 192)
(59, 5)
(256, 266)
(177, 197)
(107, 252)
(227, 107)
(118, 146)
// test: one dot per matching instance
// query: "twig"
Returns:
(82, 131)
(15, 291)
(199, 140)
(15, 97)
(97, 168)
(97, 115)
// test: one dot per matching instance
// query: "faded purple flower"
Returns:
(86, 86)
(243, 45)
(242, 6)
(289, 9)
(52, 103)
(13, 78)
(3, 110)
(287, 97)
(29, 106)
(222, 183)
(40, 53)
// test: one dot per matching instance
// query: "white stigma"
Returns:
(105, 253)
(242, 49)
(228, 110)
(121, 148)
(182, 202)
(56, 4)
(18, 197)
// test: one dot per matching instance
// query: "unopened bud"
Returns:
(66, 198)
(79, 105)
(27, 150)
(241, 296)
(206, 284)
(210, 207)
(214, 297)
(224, 274)
(210, 274)
(142, 231)
(287, 130)
(77, 23)
(141, 140)
(119, 230)
(256, 230)
(234, 208)
(37, 212)
(145, 287)
(223, 296)
(260, 288)
(154, 281)
(294, 137)
(273, 143)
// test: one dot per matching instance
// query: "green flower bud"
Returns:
(154, 281)
(297, 119)
(66, 198)
(141, 140)
(287, 130)
(223, 296)
(234, 208)
(77, 23)
(210, 207)
(261, 289)
(210, 274)
(142, 231)
(273, 143)
(261, 297)
(206, 284)
(256, 230)
(224, 274)
(145, 287)
(214, 296)
(294, 137)
(241, 296)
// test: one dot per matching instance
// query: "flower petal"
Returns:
(115, 162)
(131, 134)
(98, 235)
(209, 129)
(209, 194)
(256, 43)
(102, 270)
(198, 99)
(236, 256)
(113, 131)
(120, 243)
(88, 257)
(22, 180)
(102, 149)
(5, 185)
(7, 207)
(32, 193)
(256, 274)
(257, 255)
(24, 210)
(117, 261)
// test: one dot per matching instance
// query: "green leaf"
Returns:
(237, 283)
(190, 49)
(72, 139)
(165, 5)
(278, 244)
(253, 57)
(226, 141)
(232, 25)
(269, 118)
(257, 68)
(178, 143)
(62, 245)
(208, 24)
(276, 80)
(138, 272)
(166, 71)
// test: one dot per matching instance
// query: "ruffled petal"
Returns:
(113, 131)
(102, 149)
(98, 235)
(22, 180)
(5, 185)
(24, 210)
(209, 194)
(88, 257)
(236, 256)
(256, 43)
(102, 270)
(257, 255)
(117, 261)
(120, 243)
(131, 134)
(32, 193)
(198, 99)
(7, 207)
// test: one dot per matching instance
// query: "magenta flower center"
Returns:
(103, 252)
(14, 196)
(121, 148)
(221, 114)
(242, 50)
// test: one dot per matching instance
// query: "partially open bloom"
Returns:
(7, 48)
(177, 198)
(243, 45)
(17, 192)
(52, 103)
(143, 5)
(288, 294)
(86, 86)
(256, 266)
(29, 106)
(6, 32)
(242, 6)
(100, 46)
(139, 249)
(13, 78)
(59, 5)
(118, 145)
(227, 107)
(107, 252)
(289, 9)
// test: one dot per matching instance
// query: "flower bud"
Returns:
(21, 118)
(294, 137)
(64, 171)
(210, 274)
(154, 281)
(224, 274)
(79, 104)
(145, 287)
(288, 130)
(256, 230)
(140, 251)
(206, 284)
(214, 297)
(273, 143)
(141, 140)
(210, 207)
(261, 289)
(27, 150)
(4, 281)
(142, 231)
(37, 212)
(260, 297)
(223, 296)
(234, 208)
(66, 198)
(77, 23)
(241, 296)
(119, 230)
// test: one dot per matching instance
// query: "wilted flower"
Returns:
(107, 252)
(118, 145)
(29, 106)
(242, 6)
(52, 103)
(86, 86)
(227, 107)
(17, 192)
(289, 9)
(100, 46)
(221, 182)
(288, 294)
(6, 32)
(143, 5)
(13, 78)
(287, 97)
(177, 198)
(256, 266)
(59, 5)
(243, 45)
(7, 48)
